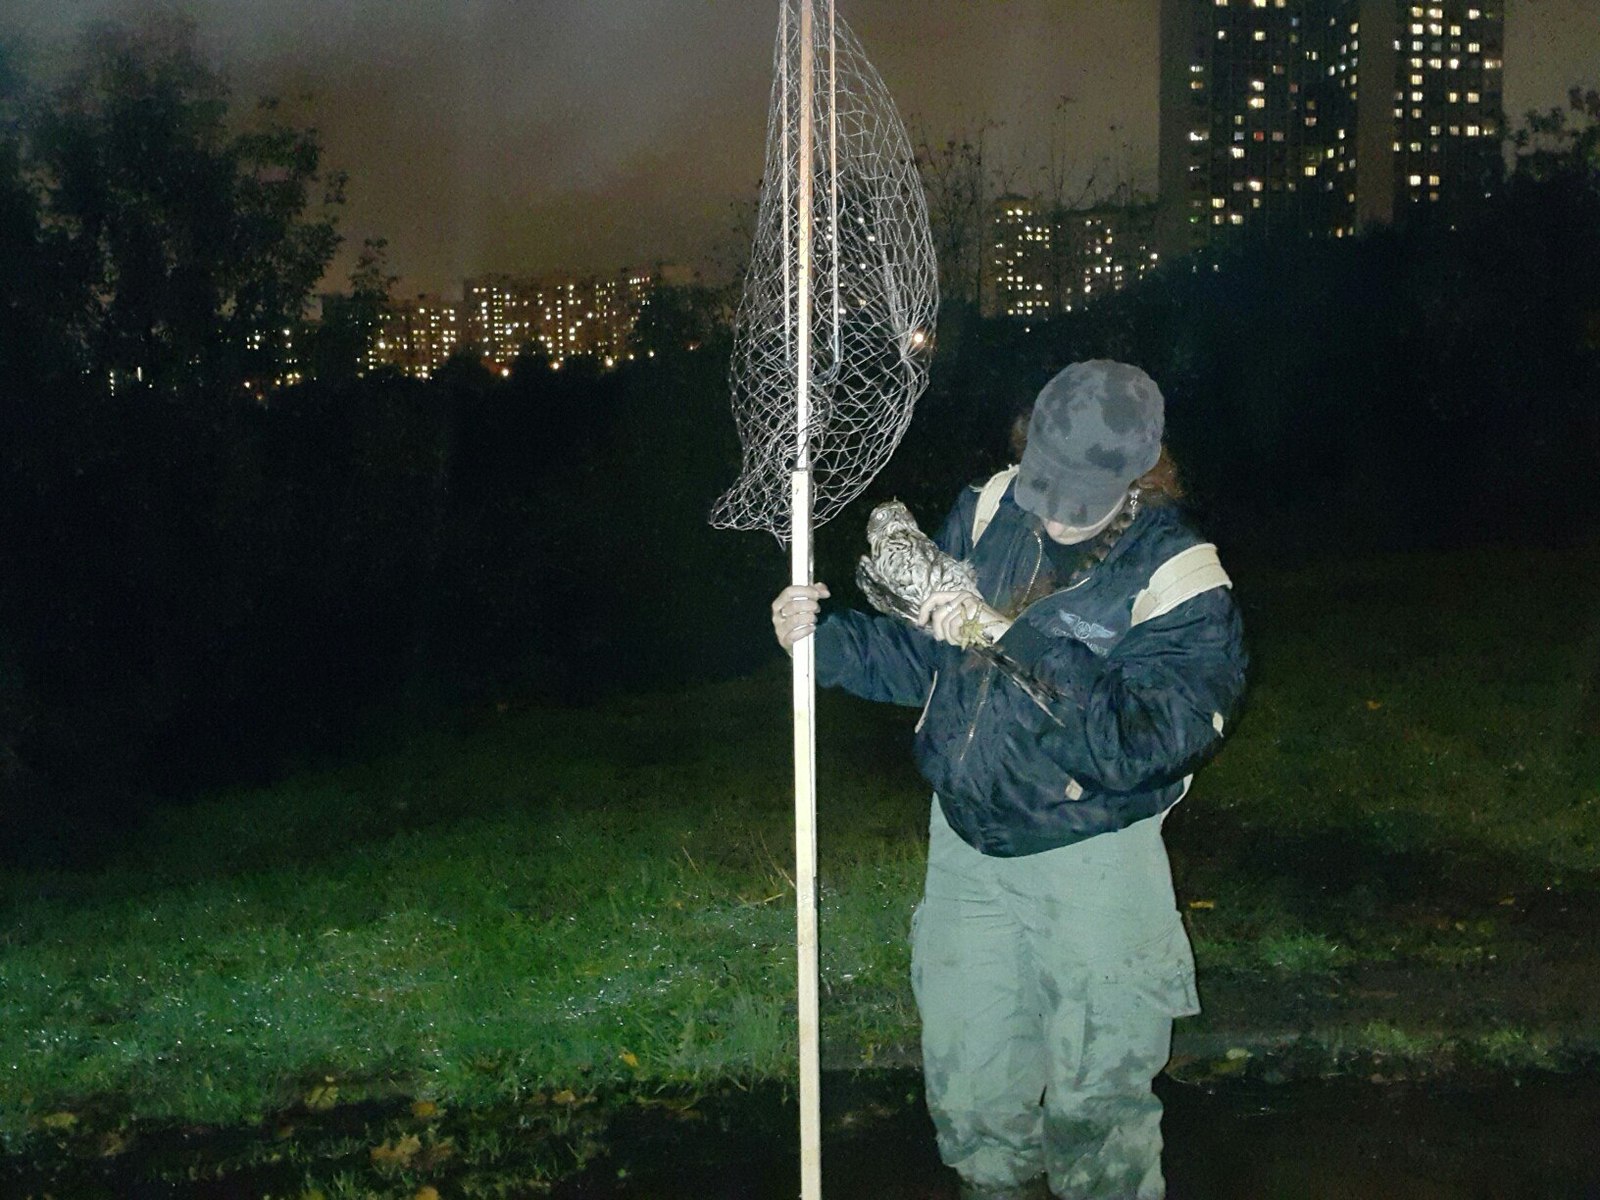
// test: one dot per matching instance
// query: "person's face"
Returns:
(1071, 535)
(1065, 535)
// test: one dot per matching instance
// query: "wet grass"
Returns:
(551, 905)
(1416, 768)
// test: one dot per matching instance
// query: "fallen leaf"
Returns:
(629, 1057)
(425, 1192)
(437, 1153)
(397, 1153)
(60, 1120)
(322, 1097)
(1374, 705)
(1203, 904)
(423, 1109)
(564, 1096)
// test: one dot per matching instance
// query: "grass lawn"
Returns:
(554, 902)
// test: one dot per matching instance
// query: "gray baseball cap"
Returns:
(1095, 428)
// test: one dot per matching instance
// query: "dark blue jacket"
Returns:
(1132, 709)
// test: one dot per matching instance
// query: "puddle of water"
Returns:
(1534, 1140)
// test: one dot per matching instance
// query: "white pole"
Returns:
(805, 725)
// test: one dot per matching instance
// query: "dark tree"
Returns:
(191, 247)
(340, 342)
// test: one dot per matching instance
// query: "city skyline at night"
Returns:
(482, 137)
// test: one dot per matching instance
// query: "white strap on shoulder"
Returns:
(989, 497)
(1182, 577)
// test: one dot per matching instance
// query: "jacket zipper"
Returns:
(988, 674)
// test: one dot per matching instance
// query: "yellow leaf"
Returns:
(60, 1120)
(1374, 705)
(423, 1109)
(1205, 904)
(629, 1057)
(564, 1096)
(425, 1192)
(397, 1153)
(323, 1096)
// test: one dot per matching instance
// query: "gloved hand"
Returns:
(962, 618)
(794, 613)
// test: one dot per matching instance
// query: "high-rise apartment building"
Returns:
(418, 336)
(1024, 240)
(1324, 115)
(1044, 262)
(558, 316)
(493, 315)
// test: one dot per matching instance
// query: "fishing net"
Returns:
(872, 285)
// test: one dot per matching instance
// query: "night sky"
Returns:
(541, 135)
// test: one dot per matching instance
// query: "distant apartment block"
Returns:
(419, 335)
(1324, 115)
(1046, 261)
(560, 316)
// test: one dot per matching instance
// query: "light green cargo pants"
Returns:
(1047, 986)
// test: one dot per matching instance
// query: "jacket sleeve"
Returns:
(884, 658)
(876, 658)
(1147, 713)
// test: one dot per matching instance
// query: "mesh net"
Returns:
(872, 282)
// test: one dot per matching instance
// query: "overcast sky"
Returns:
(536, 135)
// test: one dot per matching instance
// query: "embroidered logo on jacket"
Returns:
(1090, 633)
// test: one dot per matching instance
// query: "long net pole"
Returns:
(805, 722)
(831, 348)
